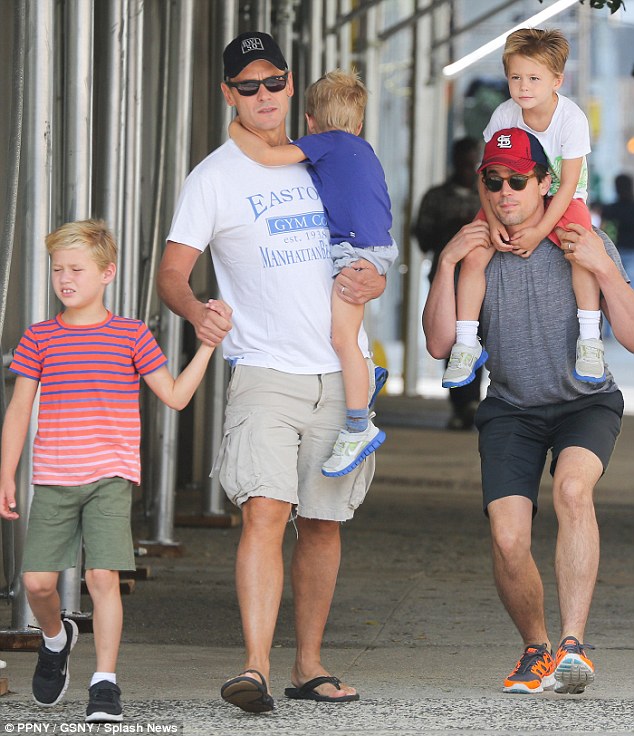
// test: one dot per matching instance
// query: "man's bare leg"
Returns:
(314, 575)
(517, 579)
(577, 553)
(260, 577)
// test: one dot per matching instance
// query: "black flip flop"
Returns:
(248, 693)
(308, 691)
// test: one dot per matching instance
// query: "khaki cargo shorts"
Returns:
(60, 516)
(279, 430)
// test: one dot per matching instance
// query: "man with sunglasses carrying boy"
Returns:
(269, 242)
(534, 405)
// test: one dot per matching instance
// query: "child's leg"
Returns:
(360, 437)
(589, 365)
(472, 283)
(586, 288)
(43, 598)
(103, 586)
(104, 700)
(52, 671)
(467, 354)
(346, 323)
(576, 212)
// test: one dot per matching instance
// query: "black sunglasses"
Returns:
(517, 182)
(250, 87)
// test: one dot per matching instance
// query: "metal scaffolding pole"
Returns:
(285, 14)
(6, 245)
(330, 42)
(180, 94)
(216, 381)
(262, 15)
(345, 37)
(426, 150)
(371, 55)
(109, 195)
(77, 151)
(133, 129)
(36, 225)
(315, 68)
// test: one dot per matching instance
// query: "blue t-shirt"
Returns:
(351, 183)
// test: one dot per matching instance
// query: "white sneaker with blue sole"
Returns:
(589, 365)
(464, 361)
(350, 449)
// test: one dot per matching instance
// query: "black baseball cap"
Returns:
(248, 47)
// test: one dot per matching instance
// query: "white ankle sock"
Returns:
(589, 321)
(467, 332)
(101, 676)
(56, 643)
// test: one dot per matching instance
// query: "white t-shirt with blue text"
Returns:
(269, 243)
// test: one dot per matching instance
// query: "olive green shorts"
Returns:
(61, 516)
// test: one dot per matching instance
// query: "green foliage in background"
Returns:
(612, 5)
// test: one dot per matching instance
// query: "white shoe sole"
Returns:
(548, 683)
(573, 675)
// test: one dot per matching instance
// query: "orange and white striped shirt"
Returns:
(89, 425)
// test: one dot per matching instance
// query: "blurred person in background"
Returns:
(444, 209)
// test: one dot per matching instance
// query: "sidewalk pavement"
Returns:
(416, 623)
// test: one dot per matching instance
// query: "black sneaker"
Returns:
(104, 703)
(52, 673)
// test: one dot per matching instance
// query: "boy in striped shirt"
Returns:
(86, 362)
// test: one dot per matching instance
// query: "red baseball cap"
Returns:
(514, 148)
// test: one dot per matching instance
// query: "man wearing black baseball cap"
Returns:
(269, 241)
(534, 405)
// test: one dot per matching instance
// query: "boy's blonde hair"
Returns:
(337, 101)
(90, 234)
(548, 47)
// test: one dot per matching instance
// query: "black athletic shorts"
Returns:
(514, 442)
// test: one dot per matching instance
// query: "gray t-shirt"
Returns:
(530, 328)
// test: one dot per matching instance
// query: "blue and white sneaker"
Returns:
(589, 365)
(350, 449)
(463, 363)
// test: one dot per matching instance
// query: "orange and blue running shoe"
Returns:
(534, 672)
(573, 670)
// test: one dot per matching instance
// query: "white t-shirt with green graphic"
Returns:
(567, 137)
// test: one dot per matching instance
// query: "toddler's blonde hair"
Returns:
(337, 101)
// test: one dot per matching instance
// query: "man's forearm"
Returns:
(174, 290)
(587, 249)
(619, 298)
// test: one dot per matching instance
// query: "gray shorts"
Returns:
(279, 430)
(60, 516)
(380, 256)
